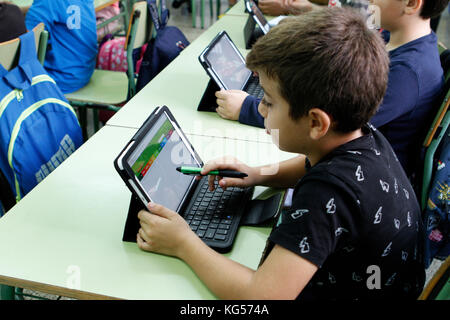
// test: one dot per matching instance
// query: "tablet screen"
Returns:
(154, 162)
(258, 15)
(228, 64)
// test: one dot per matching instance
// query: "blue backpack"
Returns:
(162, 48)
(38, 128)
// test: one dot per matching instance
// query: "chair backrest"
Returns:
(9, 50)
(139, 33)
(142, 24)
(438, 288)
(437, 130)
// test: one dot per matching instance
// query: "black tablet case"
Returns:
(259, 212)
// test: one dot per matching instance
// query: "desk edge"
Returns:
(55, 290)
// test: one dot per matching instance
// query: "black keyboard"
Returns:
(253, 88)
(215, 215)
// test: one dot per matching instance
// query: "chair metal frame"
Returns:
(137, 35)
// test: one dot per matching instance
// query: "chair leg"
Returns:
(7, 292)
(194, 13)
(83, 121)
(211, 11)
(218, 9)
(202, 13)
(96, 122)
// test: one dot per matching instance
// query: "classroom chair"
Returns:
(9, 50)
(106, 89)
(437, 131)
(438, 288)
(202, 11)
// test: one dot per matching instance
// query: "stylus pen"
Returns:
(222, 173)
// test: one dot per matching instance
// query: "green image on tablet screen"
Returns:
(151, 152)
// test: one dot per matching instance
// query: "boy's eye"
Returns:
(266, 103)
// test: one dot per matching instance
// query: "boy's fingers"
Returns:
(142, 244)
(220, 94)
(160, 210)
(221, 163)
(231, 182)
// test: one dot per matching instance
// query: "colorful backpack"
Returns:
(38, 128)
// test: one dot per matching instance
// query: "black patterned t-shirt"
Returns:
(355, 216)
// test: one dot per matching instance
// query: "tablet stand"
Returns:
(208, 100)
(251, 32)
(259, 212)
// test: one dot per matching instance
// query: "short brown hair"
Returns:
(433, 8)
(327, 59)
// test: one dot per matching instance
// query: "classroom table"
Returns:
(181, 85)
(64, 237)
(238, 9)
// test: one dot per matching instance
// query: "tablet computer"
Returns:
(253, 9)
(148, 162)
(148, 166)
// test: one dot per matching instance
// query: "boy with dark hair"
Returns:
(354, 213)
(415, 77)
(12, 22)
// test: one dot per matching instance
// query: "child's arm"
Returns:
(239, 105)
(284, 174)
(283, 274)
(273, 7)
(249, 112)
(229, 103)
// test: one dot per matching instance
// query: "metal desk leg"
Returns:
(7, 292)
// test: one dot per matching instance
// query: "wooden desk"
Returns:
(72, 223)
(181, 85)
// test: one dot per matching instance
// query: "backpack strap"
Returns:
(153, 11)
(165, 13)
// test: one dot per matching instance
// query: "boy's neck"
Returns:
(330, 142)
(408, 31)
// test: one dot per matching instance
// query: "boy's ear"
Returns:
(413, 6)
(319, 123)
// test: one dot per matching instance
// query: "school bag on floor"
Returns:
(38, 128)
(162, 48)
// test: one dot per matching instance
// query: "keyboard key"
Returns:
(224, 226)
(203, 227)
(210, 233)
(213, 225)
(201, 233)
(220, 237)
(225, 221)
(193, 228)
(195, 223)
(221, 231)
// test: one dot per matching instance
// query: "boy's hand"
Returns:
(296, 7)
(232, 164)
(273, 7)
(163, 231)
(229, 103)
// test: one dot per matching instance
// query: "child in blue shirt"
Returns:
(71, 54)
(415, 78)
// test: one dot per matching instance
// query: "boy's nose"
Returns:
(262, 109)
